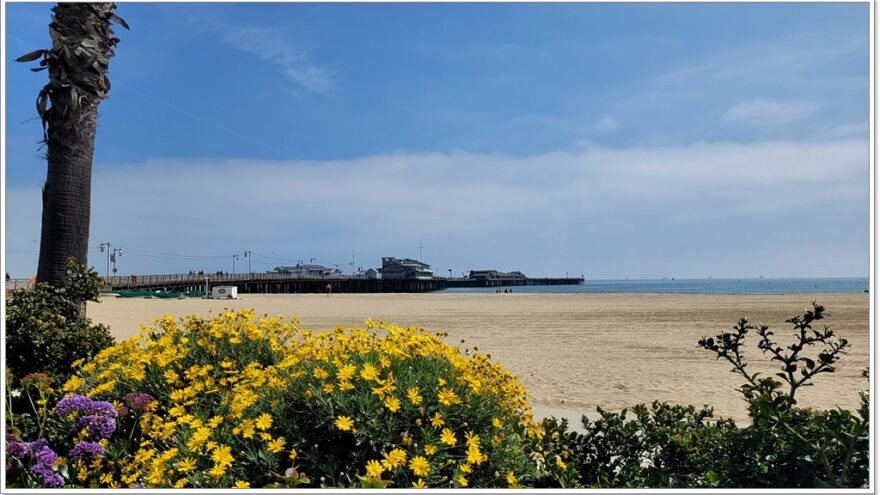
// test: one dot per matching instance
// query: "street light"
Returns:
(116, 252)
(102, 246)
(247, 254)
(234, 259)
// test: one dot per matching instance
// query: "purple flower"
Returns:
(99, 418)
(37, 445)
(72, 403)
(99, 426)
(138, 401)
(44, 467)
(87, 449)
(80, 403)
(16, 449)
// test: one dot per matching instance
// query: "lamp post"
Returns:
(247, 254)
(103, 246)
(115, 252)
(234, 259)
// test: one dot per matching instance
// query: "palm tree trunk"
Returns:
(82, 44)
(67, 196)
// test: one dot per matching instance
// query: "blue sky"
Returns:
(610, 140)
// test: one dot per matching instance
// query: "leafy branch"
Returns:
(796, 368)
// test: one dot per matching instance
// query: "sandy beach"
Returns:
(574, 352)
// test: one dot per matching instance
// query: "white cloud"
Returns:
(272, 46)
(537, 213)
(765, 112)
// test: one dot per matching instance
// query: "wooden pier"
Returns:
(277, 283)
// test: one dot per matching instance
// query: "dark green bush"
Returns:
(671, 446)
(660, 445)
(46, 327)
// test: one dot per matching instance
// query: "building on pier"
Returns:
(495, 275)
(307, 270)
(396, 268)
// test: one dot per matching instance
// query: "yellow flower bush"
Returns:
(237, 401)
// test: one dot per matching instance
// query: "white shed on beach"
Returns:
(224, 292)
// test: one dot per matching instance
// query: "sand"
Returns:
(574, 352)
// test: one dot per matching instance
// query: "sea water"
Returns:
(695, 286)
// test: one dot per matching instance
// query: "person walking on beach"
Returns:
(329, 289)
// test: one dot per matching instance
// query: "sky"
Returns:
(603, 140)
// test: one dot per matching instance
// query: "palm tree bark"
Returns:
(82, 45)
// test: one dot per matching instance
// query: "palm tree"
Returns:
(82, 45)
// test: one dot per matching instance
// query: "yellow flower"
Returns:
(496, 440)
(374, 468)
(462, 481)
(560, 464)
(246, 430)
(187, 464)
(448, 397)
(511, 480)
(441, 381)
(412, 394)
(217, 471)
(276, 446)
(215, 421)
(222, 455)
(328, 388)
(264, 422)
(198, 438)
(472, 439)
(393, 459)
(465, 468)
(319, 373)
(344, 423)
(241, 484)
(430, 450)
(419, 484)
(345, 385)
(496, 422)
(448, 437)
(474, 456)
(73, 384)
(345, 372)
(293, 454)
(392, 403)
(369, 372)
(419, 466)
(171, 377)
(437, 420)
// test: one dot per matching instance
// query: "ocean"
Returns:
(695, 286)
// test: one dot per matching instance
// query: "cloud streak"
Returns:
(272, 46)
(764, 112)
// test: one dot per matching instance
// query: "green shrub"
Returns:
(46, 329)
(786, 446)
(661, 446)
(671, 446)
(243, 401)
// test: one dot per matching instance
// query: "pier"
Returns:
(278, 283)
